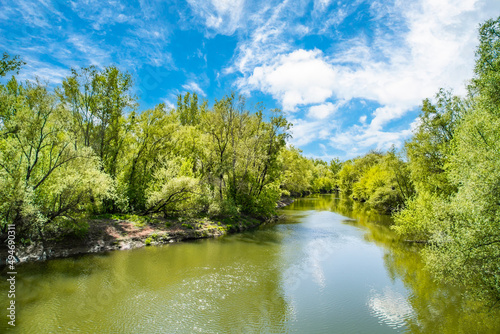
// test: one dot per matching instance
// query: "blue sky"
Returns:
(350, 75)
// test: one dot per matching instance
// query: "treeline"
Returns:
(382, 180)
(454, 162)
(83, 149)
(445, 191)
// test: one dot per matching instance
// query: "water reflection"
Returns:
(428, 307)
(391, 307)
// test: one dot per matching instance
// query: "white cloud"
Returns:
(36, 13)
(194, 87)
(299, 78)
(321, 5)
(361, 139)
(103, 14)
(322, 111)
(426, 45)
(304, 131)
(88, 49)
(168, 103)
(222, 16)
(266, 40)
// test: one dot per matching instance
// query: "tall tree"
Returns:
(46, 174)
(458, 209)
(99, 99)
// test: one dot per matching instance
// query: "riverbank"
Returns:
(120, 232)
(107, 234)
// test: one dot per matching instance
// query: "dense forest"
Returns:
(84, 148)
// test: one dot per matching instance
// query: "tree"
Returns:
(174, 188)
(149, 137)
(297, 172)
(239, 158)
(429, 150)
(47, 175)
(10, 64)
(189, 111)
(352, 170)
(458, 210)
(99, 101)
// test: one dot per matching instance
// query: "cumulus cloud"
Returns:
(319, 59)
(433, 55)
(299, 78)
(322, 111)
(306, 131)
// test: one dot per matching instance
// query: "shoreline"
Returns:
(110, 234)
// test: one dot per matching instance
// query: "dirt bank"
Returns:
(124, 232)
(114, 234)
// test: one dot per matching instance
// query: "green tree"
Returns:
(297, 172)
(151, 135)
(99, 99)
(189, 111)
(429, 149)
(457, 209)
(10, 64)
(239, 159)
(47, 175)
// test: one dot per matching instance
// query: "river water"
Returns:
(331, 266)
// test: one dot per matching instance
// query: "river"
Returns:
(331, 266)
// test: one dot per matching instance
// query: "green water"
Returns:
(330, 267)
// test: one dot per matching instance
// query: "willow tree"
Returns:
(458, 210)
(240, 156)
(99, 100)
(47, 174)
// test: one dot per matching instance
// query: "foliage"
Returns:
(430, 148)
(298, 171)
(382, 180)
(8, 64)
(46, 172)
(83, 150)
(239, 160)
(455, 164)
(172, 188)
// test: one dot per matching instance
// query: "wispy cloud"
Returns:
(103, 14)
(36, 14)
(87, 48)
(194, 87)
(220, 16)
(45, 72)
